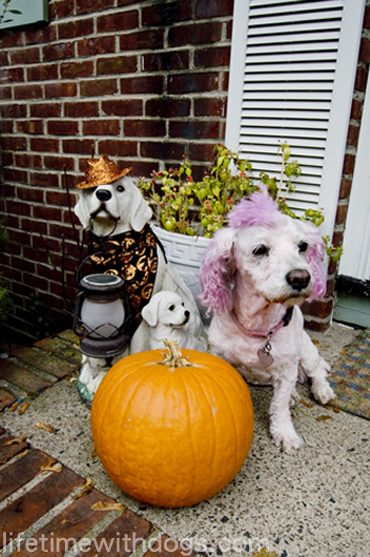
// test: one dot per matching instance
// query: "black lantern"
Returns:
(99, 317)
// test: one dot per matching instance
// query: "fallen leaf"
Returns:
(343, 351)
(316, 342)
(57, 467)
(86, 488)
(323, 418)
(15, 441)
(72, 379)
(94, 453)
(107, 506)
(14, 406)
(335, 409)
(23, 453)
(65, 521)
(23, 408)
(46, 427)
(305, 403)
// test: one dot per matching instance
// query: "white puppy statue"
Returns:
(122, 243)
(166, 317)
(254, 275)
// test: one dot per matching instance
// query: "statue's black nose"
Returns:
(103, 195)
(298, 279)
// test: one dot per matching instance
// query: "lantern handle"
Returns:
(79, 300)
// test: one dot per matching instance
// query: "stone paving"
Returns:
(45, 507)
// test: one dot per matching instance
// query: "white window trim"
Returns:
(353, 13)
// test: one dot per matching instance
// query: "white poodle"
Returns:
(166, 317)
(254, 275)
(117, 215)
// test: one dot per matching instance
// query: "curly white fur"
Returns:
(255, 263)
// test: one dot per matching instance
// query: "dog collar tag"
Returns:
(264, 355)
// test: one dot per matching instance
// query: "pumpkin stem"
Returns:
(174, 358)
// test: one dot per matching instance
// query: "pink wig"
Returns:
(217, 270)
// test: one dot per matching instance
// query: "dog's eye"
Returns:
(172, 307)
(261, 250)
(302, 246)
(120, 189)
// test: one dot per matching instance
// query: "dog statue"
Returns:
(254, 275)
(166, 317)
(122, 243)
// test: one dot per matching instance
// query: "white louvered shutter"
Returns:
(292, 74)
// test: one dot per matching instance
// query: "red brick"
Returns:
(199, 33)
(46, 362)
(164, 61)
(18, 208)
(84, 6)
(148, 39)
(15, 175)
(201, 152)
(59, 51)
(6, 399)
(40, 35)
(349, 164)
(71, 524)
(117, 22)
(195, 129)
(341, 215)
(144, 128)
(72, 70)
(45, 110)
(116, 65)
(96, 45)
(212, 57)
(5, 93)
(162, 150)
(31, 126)
(78, 146)
(210, 107)
(76, 28)
(142, 85)
(101, 127)
(22, 378)
(78, 109)
(128, 527)
(318, 308)
(34, 228)
(28, 92)
(366, 24)
(42, 72)
(117, 148)
(44, 179)
(9, 451)
(353, 133)
(123, 107)
(168, 107)
(45, 145)
(4, 59)
(356, 109)
(193, 82)
(98, 87)
(12, 75)
(165, 14)
(364, 55)
(208, 9)
(60, 89)
(36, 502)
(60, 231)
(25, 56)
(14, 143)
(10, 40)
(361, 78)
(62, 127)
(28, 160)
(13, 111)
(22, 471)
(345, 188)
(63, 8)
(59, 163)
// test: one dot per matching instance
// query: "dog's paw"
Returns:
(288, 441)
(322, 391)
(92, 387)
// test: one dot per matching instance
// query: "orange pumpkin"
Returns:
(172, 430)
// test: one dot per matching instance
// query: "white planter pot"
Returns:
(185, 254)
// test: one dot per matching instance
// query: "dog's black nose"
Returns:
(298, 279)
(187, 313)
(103, 195)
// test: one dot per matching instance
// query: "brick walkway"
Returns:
(47, 512)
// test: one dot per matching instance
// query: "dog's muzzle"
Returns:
(298, 279)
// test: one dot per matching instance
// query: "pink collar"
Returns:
(265, 334)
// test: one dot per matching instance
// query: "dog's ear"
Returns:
(150, 313)
(316, 260)
(217, 272)
(81, 210)
(141, 213)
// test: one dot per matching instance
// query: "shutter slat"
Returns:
(276, 96)
(269, 8)
(288, 115)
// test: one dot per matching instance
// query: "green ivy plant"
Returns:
(181, 204)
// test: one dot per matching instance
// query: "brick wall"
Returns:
(144, 82)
